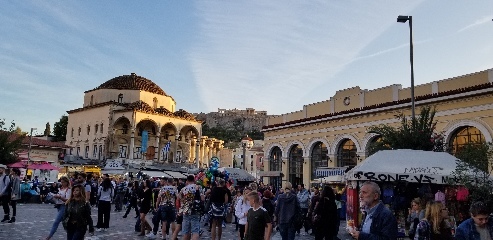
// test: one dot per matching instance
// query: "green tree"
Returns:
(416, 134)
(10, 143)
(473, 171)
(60, 129)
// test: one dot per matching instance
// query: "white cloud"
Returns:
(478, 22)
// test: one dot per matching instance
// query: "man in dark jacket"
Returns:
(479, 226)
(286, 208)
(379, 222)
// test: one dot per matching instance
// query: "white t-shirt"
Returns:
(65, 194)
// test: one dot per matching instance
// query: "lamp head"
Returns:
(403, 19)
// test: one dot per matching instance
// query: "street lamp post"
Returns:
(30, 143)
(403, 19)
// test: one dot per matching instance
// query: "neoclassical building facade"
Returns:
(131, 118)
(333, 133)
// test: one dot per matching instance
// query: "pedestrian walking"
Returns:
(119, 194)
(105, 193)
(435, 225)
(219, 198)
(259, 224)
(146, 203)
(77, 215)
(325, 215)
(132, 193)
(60, 198)
(304, 199)
(416, 214)
(16, 192)
(191, 201)
(286, 208)
(166, 208)
(5, 192)
(241, 210)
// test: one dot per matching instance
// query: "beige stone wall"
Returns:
(83, 119)
(315, 109)
(379, 95)
(129, 96)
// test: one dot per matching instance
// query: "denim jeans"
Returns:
(287, 231)
(191, 224)
(58, 220)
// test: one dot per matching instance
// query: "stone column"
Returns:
(156, 147)
(132, 144)
(197, 152)
(307, 173)
(285, 169)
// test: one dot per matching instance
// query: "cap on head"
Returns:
(3, 166)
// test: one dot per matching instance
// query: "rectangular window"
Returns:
(95, 152)
(86, 154)
(123, 151)
(100, 153)
(71, 150)
(137, 153)
(78, 151)
(96, 127)
(101, 128)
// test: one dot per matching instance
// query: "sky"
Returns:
(274, 56)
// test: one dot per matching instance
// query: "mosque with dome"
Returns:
(132, 119)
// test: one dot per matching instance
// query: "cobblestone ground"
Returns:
(34, 221)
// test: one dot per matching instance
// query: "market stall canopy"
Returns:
(239, 174)
(330, 179)
(43, 166)
(17, 165)
(176, 175)
(405, 165)
(155, 174)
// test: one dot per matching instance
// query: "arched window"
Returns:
(101, 128)
(275, 159)
(154, 103)
(80, 130)
(464, 136)
(346, 154)
(96, 128)
(120, 98)
(319, 158)
(296, 165)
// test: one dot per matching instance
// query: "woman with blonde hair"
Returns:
(77, 215)
(63, 195)
(416, 213)
(435, 225)
(241, 210)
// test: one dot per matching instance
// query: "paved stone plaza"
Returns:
(34, 222)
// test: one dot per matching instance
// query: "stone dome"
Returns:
(131, 82)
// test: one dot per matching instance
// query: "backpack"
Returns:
(197, 204)
(8, 189)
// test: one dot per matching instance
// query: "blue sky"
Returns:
(270, 55)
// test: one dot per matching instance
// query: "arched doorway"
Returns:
(295, 165)
(464, 136)
(319, 158)
(275, 160)
(346, 153)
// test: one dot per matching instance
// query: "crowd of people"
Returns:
(164, 207)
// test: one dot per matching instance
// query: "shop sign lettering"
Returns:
(388, 177)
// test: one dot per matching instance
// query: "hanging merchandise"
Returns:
(440, 197)
(462, 194)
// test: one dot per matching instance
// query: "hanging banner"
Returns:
(145, 135)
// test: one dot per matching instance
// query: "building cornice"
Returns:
(419, 100)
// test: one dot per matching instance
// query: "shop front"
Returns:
(402, 176)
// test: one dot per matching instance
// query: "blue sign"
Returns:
(145, 135)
